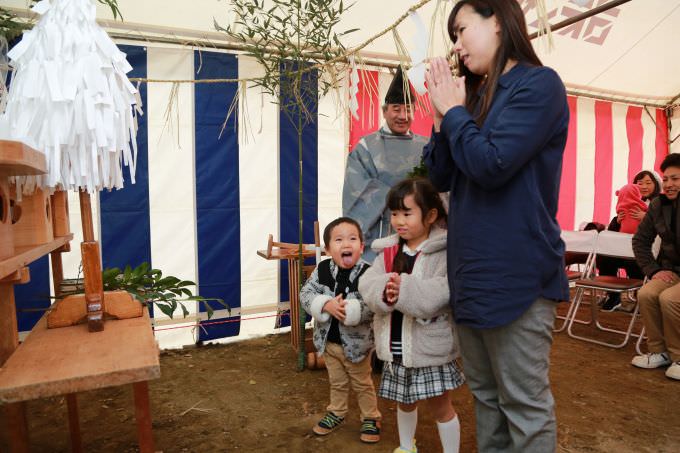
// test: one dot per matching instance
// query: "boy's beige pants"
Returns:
(342, 372)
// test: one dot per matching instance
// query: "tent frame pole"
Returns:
(582, 16)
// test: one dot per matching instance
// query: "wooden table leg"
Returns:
(143, 415)
(74, 423)
(17, 427)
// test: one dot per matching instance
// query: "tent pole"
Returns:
(582, 16)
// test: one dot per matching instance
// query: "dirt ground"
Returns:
(248, 396)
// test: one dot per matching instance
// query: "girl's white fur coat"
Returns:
(428, 331)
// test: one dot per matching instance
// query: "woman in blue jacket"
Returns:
(499, 135)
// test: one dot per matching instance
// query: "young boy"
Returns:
(342, 327)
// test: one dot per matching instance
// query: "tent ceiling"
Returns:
(627, 50)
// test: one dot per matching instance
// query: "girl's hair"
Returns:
(514, 44)
(426, 198)
(655, 180)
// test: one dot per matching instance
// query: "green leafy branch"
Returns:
(149, 286)
(287, 38)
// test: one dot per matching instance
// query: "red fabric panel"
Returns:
(422, 121)
(661, 139)
(567, 204)
(604, 152)
(635, 132)
(369, 108)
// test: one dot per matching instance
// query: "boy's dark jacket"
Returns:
(356, 333)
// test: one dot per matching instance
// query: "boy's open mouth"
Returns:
(346, 258)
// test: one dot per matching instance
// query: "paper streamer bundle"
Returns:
(70, 99)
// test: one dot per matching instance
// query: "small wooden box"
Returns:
(34, 225)
(6, 231)
(60, 220)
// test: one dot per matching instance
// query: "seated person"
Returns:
(660, 297)
(649, 189)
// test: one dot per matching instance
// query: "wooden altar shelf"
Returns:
(18, 159)
(123, 353)
(69, 360)
(26, 255)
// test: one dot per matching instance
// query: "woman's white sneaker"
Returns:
(673, 371)
(651, 360)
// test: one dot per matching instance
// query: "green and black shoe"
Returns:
(370, 431)
(328, 424)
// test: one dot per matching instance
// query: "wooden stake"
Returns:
(94, 287)
(143, 416)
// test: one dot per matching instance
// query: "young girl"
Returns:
(407, 289)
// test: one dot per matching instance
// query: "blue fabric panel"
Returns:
(289, 169)
(217, 190)
(33, 298)
(125, 229)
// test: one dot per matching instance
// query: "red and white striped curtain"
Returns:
(608, 144)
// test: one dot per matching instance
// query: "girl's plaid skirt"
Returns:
(408, 385)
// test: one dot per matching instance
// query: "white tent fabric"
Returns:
(625, 51)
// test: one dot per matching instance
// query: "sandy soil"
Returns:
(248, 397)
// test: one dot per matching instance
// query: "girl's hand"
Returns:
(445, 92)
(336, 307)
(620, 216)
(392, 288)
(637, 213)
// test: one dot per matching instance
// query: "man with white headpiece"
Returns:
(378, 162)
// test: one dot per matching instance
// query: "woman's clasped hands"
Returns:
(445, 91)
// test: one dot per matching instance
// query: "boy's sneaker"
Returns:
(611, 303)
(673, 371)
(651, 360)
(328, 424)
(370, 431)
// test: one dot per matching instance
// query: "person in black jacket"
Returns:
(659, 298)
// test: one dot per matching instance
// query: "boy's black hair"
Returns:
(672, 160)
(340, 220)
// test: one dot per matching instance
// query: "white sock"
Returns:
(449, 434)
(407, 422)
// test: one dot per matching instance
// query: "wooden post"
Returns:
(17, 427)
(94, 287)
(86, 217)
(9, 333)
(92, 269)
(143, 416)
(74, 423)
(15, 414)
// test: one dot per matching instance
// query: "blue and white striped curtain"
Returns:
(207, 196)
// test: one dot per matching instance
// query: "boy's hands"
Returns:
(336, 307)
(392, 288)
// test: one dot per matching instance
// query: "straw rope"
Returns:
(340, 58)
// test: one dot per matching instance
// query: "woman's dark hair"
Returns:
(514, 44)
(425, 196)
(657, 186)
(339, 221)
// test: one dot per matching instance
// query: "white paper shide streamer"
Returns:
(353, 88)
(70, 99)
(418, 53)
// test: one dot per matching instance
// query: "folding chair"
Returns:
(579, 249)
(617, 245)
